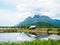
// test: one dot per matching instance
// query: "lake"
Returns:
(17, 37)
(14, 37)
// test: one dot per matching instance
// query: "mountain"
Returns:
(43, 24)
(37, 18)
(27, 21)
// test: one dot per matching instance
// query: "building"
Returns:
(32, 27)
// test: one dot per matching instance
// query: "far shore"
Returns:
(37, 30)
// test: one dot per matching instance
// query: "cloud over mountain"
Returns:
(18, 10)
(44, 7)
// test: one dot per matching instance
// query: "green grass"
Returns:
(35, 42)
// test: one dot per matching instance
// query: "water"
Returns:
(14, 37)
(8, 37)
(53, 36)
(17, 37)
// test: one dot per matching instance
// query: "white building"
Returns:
(32, 27)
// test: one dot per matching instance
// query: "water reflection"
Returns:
(8, 37)
(53, 36)
(24, 37)
(14, 37)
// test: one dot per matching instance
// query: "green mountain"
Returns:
(41, 21)
(43, 25)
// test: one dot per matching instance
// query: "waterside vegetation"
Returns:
(34, 42)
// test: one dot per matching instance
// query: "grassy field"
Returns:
(37, 30)
(35, 42)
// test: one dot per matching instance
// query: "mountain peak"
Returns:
(40, 18)
(36, 16)
(28, 18)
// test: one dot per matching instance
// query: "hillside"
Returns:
(43, 25)
(43, 21)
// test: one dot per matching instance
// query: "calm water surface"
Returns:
(14, 37)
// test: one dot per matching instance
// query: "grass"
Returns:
(35, 42)
(37, 30)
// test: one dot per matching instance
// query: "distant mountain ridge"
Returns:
(38, 18)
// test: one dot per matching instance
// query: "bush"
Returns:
(58, 31)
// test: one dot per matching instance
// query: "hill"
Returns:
(43, 25)
(42, 21)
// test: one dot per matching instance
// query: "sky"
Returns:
(14, 11)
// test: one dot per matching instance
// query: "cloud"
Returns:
(13, 2)
(8, 13)
(14, 11)
(42, 7)
(8, 18)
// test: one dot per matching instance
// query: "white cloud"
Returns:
(27, 8)
(8, 18)
(43, 7)
(8, 13)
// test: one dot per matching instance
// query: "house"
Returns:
(32, 27)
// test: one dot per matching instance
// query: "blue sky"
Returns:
(14, 11)
(8, 13)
